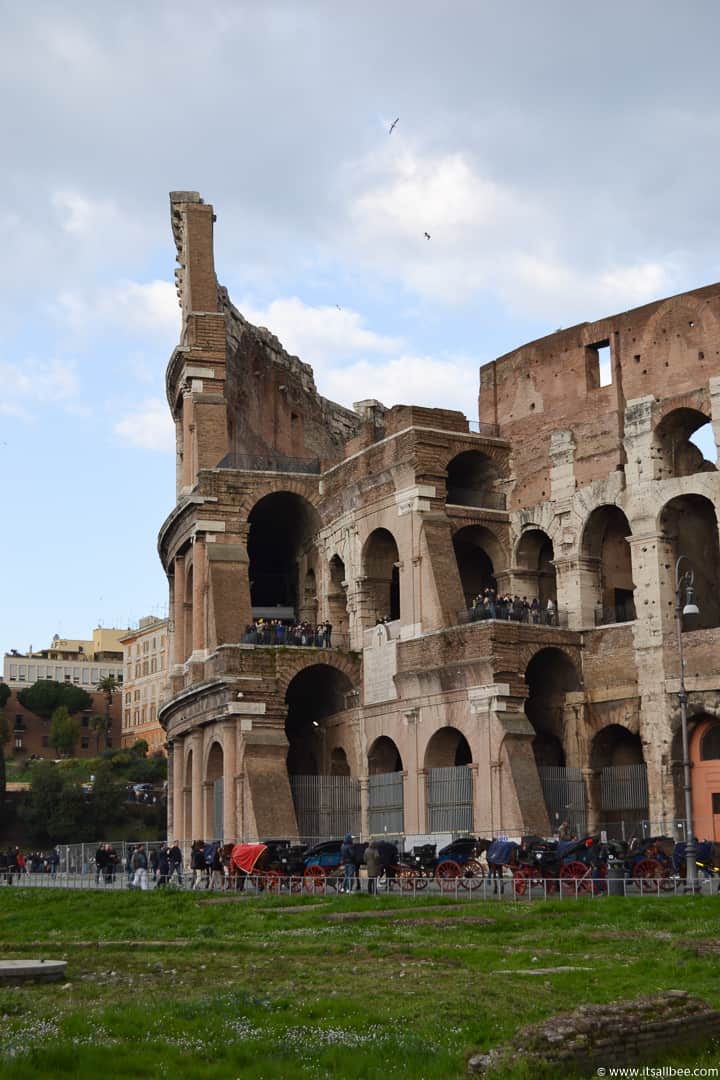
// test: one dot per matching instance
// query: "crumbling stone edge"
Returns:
(620, 1033)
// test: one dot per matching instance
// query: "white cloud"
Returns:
(147, 427)
(35, 383)
(450, 383)
(139, 308)
(81, 215)
(321, 336)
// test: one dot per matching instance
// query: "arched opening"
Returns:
(282, 528)
(384, 757)
(337, 599)
(325, 795)
(705, 777)
(536, 567)
(214, 790)
(449, 783)
(690, 526)
(382, 574)
(684, 444)
(339, 764)
(385, 788)
(186, 796)
(619, 785)
(550, 677)
(472, 481)
(608, 559)
(479, 558)
(188, 612)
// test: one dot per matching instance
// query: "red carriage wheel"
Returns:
(646, 873)
(295, 883)
(314, 878)
(576, 878)
(523, 877)
(447, 873)
(473, 874)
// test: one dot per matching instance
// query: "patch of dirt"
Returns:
(701, 947)
(401, 914)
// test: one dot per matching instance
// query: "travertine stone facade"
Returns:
(579, 489)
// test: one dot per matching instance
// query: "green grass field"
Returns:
(167, 984)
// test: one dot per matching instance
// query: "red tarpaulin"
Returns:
(245, 856)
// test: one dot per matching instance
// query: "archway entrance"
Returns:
(214, 793)
(381, 570)
(449, 784)
(683, 444)
(326, 797)
(386, 804)
(606, 553)
(551, 676)
(619, 785)
(337, 599)
(472, 481)
(479, 557)
(536, 568)
(705, 759)
(282, 528)
(690, 526)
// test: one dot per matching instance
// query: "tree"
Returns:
(64, 732)
(42, 698)
(55, 809)
(108, 686)
(4, 738)
(98, 726)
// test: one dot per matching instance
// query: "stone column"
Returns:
(196, 788)
(422, 822)
(230, 825)
(170, 792)
(364, 807)
(177, 778)
(178, 612)
(199, 628)
(207, 831)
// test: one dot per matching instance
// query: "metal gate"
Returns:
(565, 797)
(624, 787)
(449, 795)
(326, 807)
(218, 816)
(385, 803)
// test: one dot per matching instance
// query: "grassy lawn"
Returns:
(167, 984)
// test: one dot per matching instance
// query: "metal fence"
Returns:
(565, 797)
(449, 796)
(386, 803)
(624, 787)
(326, 806)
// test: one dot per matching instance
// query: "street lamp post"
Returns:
(684, 584)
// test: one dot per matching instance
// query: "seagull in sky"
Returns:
(393, 125)
(427, 235)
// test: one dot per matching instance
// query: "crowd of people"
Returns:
(13, 863)
(161, 866)
(488, 605)
(278, 632)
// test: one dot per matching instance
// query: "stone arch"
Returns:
(447, 748)
(381, 571)
(480, 559)
(339, 764)
(472, 479)
(534, 560)
(675, 451)
(292, 664)
(689, 526)
(384, 757)
(337, 598)
(308, 608)
(618, 787)
(607, 565)
(283, 527)
(550, 676)
(313, 694)
(188, 610)
(213, 787)
(282, 484)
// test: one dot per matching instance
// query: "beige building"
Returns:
(77, 660)
(565, 509)
(145, 683)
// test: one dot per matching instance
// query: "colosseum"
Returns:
(505, 595)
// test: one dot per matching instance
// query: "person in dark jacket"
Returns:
(176, 862)
(163, 866)
(347, 857)
(374, 866)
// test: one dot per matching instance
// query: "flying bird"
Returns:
(393, 125)
(427, 235)
(338, 307)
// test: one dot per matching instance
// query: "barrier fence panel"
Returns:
(449, 793)
(565, 797)
(218, 817)
(385, 803)
(326, 806)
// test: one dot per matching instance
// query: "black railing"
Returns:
(511, 612)
(277, 637)
(609, 615)
(270, 463)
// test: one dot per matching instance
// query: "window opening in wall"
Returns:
(598, 364)
(716, 802)
(704, 439)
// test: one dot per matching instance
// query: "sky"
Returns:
(562, 157)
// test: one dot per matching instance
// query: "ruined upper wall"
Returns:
(668, 350)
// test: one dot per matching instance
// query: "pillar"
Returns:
(178, 611)
(196, 788)
(230, 823)
(199, 625)
(177, 782)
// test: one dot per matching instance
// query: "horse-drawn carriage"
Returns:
(574, 866)
(458, 863)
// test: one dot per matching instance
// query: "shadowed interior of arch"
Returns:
(282, 527)
(313, 695)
